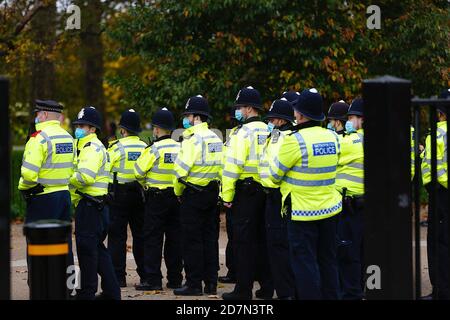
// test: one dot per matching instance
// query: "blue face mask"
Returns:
(80, 133)
(349, 127)
(330, 126)
(270, 126)
(238, 115)
(36, 120)
(186, 123)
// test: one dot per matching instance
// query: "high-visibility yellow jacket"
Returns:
(224, 152)
(243, 155)
(48, 158)
(92, 173)
(123, 154)
(271, 149)
(305, 168)
(200, 158)
(154, 168)
(441, 155)
(350, 169)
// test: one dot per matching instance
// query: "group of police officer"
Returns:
(292, 191)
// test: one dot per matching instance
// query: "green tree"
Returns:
(179, 49)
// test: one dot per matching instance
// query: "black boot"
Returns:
(236, 296)
(210, 289)
(146, 286)
(227, 279)
(171, 285)
(262, 294)
(187, 291)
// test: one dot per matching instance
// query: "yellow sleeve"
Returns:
(236, 155)
(33, 157)
(441, 165)
(344, 157)
(287, 157)
(190, 151)
(143, 164)
(114, 156)
(88, 166)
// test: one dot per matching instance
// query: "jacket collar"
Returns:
(46, 124)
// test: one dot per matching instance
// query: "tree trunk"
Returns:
(43, 29)
(92, 56)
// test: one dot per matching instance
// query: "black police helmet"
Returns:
(338, 111)
(445, 94)
(89, 116)
(310, 104)
(291, 95)
(356, 108)
(47, 105)
(164, 119)
(281, 109)
(197, 105)
(130, 121)
(248, 96)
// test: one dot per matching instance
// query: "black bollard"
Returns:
(48, 250)
(5, 191)
(387, 179)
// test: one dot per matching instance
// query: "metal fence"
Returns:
(430, 105)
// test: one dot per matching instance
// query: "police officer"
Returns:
(337, 116)
(197, 173)
(291, 96)
(154, 170)
(230, 277)
(47, 166)
(280, 117)
(350, 183)
(89, 184)
(127, 205)
(242, 190)
(438, 274)
(305, 168)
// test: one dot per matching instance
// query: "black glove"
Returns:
(32, 191)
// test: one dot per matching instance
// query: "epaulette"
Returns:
(113, 143)
(36, 133)
(188, 137)
(275, 135)
(87, 145)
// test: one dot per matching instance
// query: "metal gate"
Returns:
(430, 105)
(392, 243)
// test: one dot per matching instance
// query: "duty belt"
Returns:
(100, 201)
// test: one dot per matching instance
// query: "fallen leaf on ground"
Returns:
(152, 292)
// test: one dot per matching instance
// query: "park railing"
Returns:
(434, 219)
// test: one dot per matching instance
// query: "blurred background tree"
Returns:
(154, 53)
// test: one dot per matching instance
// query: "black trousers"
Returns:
(229, 249)
(91, 227)
(126, 208)
(278, 246)
(350, 234)
(249, 241)
(55, 205)
(200, 232)
(162, 219)
(439, 274)
(312, 245)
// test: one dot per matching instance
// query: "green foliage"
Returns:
(184, 48)
(18, 205)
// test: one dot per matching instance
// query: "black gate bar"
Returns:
(432, 189)
(5, 189)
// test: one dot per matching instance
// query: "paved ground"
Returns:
(19, 271)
